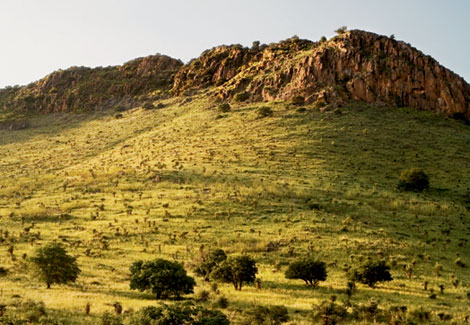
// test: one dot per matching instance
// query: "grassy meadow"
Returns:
(178, 181)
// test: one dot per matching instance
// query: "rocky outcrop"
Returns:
(85, 89)
(356, 65)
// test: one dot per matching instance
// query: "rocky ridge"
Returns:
(85, 89)
(355, 65)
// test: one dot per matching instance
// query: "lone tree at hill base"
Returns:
(54, 265)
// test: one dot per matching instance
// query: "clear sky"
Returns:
(41, 36)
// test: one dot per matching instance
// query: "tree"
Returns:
(209, 262)
(310, 270)
(372, 272)
(54, 265)
(164, 278)
(236, 270)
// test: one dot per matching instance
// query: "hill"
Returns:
(277, 180)
(354, 65)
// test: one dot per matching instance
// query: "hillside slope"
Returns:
(178, 181)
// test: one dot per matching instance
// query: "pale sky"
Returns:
(41, 36)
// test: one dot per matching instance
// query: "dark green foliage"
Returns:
(164, 278)
(54, 265)
(371, 272)
(221, 302)
(259, 315)
(118, 115)
(328, 313)
(3, 271)
(236, 270)
(209, 262)
(241, 97)
(148, 105)
(413, 180)
(309, 270)
(108, 318)
(264, 111)
(323, 39)
(224, 107)
(180, 313)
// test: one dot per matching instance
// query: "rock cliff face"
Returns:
(84, 89)
(356, 65)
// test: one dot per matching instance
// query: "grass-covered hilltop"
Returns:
(298, 182)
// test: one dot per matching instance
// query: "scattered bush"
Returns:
(118, 115)
(309, 270)
(54, 265)
(221, 302)
(236, 270)
(298, 100)
(224, 107)
(328, 312)
(3, 271)
(413, 180)
(108, 318)
(241, 97)
(259, 315)
(148, 105)
(264, 111)
(371, 272)
(180, 313)
(164, 278)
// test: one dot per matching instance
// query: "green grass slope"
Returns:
(167, 182)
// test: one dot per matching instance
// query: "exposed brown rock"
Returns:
(356, 65)
(84, 89)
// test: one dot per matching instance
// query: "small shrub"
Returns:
(241, 97)
(298, 100)
(341, 30)
(108, 318)
(118, 115)
(224, 107)
(323, 39)
(259, 315)
(180, 313)
(148, 105)
(413, 180)
(264, 111)
(328, 312)
(202, 295)
(3, 271)
(221, 302)
(160, 106)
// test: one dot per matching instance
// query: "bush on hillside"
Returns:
(179, 313)
(241, 97)
(209, 262)
(264, 111)
(413, 180)
(224, 107)
(259, 315)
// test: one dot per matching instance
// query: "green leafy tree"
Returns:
(372, 272)
(54, 265)
(236, 270)
(164, 278)
(309, 270)
(209, 262)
